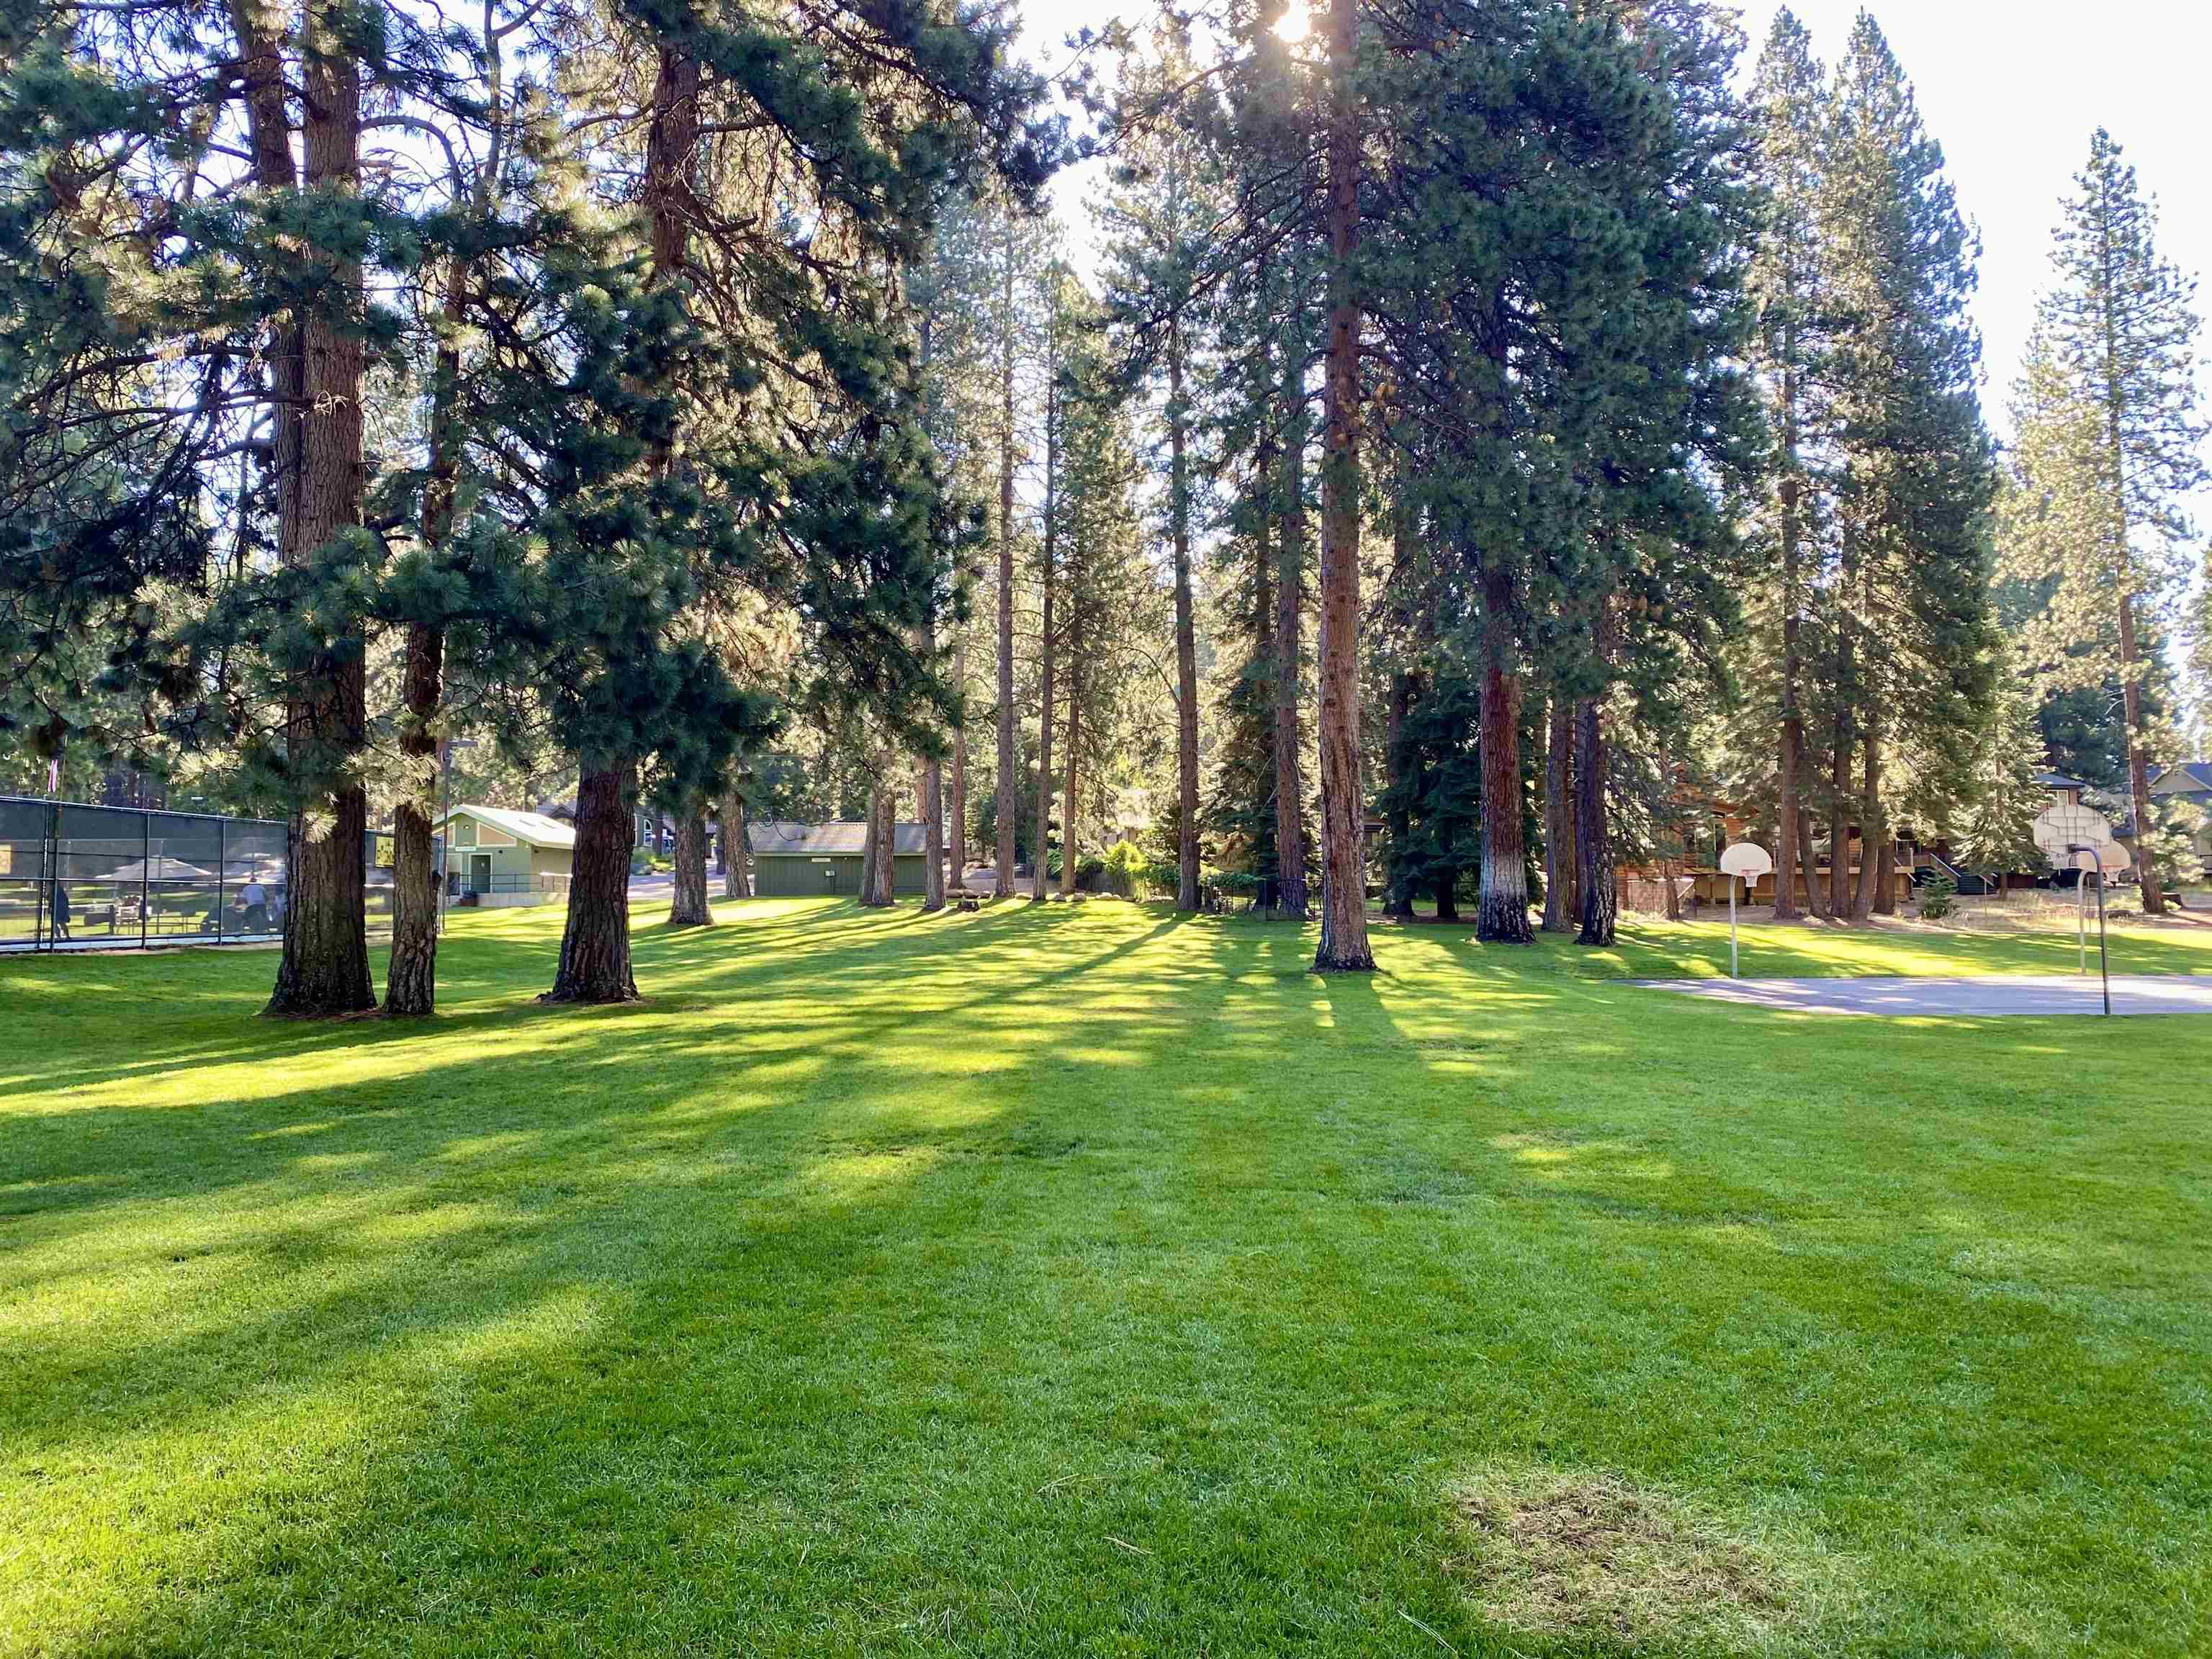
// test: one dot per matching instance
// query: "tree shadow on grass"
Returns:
(804, 1309)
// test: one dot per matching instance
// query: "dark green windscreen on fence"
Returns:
(79, 876)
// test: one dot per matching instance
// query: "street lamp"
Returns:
(2104, 965)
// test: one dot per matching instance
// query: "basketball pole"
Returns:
(2104, 952)
(1733, 974)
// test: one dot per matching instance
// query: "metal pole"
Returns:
(2104, 958)
(221, 870)
(2081, 923)
(446, 833)
(2104, 962)
(1732, 963)
(145, 872)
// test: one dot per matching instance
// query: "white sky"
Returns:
(2011, 90)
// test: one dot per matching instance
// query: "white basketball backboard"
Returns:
(1748, 860)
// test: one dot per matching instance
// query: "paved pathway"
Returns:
(1976, 999)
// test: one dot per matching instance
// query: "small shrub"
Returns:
(1938, 898)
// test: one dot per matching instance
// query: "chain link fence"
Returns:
(75, 877)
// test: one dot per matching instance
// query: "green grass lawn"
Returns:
(1085, 1280)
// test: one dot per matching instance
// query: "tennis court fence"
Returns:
(75, 877)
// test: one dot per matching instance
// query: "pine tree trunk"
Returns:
(1792, 759)
(878, 869)
(1402, 818)
(1344, 944)
(268, 129)
(1038, 873)
(595, 942)
(1186, 630)
(1807, 856)
(1503, 916)
(1290, 604)
(2131, 704)
(1009, 787)
(1593, 843)
(956, 845)
(868, 853)
(410, 982)
(688, 907)
(1560, 912)
(1885, 887)
(932, 802)
(1067, 848)
(1787, 815)
(1839, 781)
(325, 969)
(887, 845)
(2115, 389)
(737, 848)
(1445, 890)
(1872, 831)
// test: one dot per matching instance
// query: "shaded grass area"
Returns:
(1088, 1280)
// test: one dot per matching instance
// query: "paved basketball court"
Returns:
(1977, 999)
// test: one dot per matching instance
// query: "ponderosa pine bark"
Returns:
(1067, 850)
(1009, 789)
(1873, 830)
(876, 865)
(1601, 904)
(887, 845)
(595, 963)
(1290, 604)
(1186, 630)
(867, 896)
(1839, 775)
(737, 848)
(410, 982)
(1401, 902)
(688, 907)
(1344, 947)
(1502, 915)
(955, 854)
(325, 969)
(1808, 858)
(1561, 913)
(930, 797)
(1039, 875)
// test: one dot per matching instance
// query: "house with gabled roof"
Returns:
(2189, 782)
(495, 855)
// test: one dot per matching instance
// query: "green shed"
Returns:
(809, 860)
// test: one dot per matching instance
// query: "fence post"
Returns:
(49, 871)
(221, 871)
(145, 873)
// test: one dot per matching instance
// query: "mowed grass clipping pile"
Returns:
(1088, 1280)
